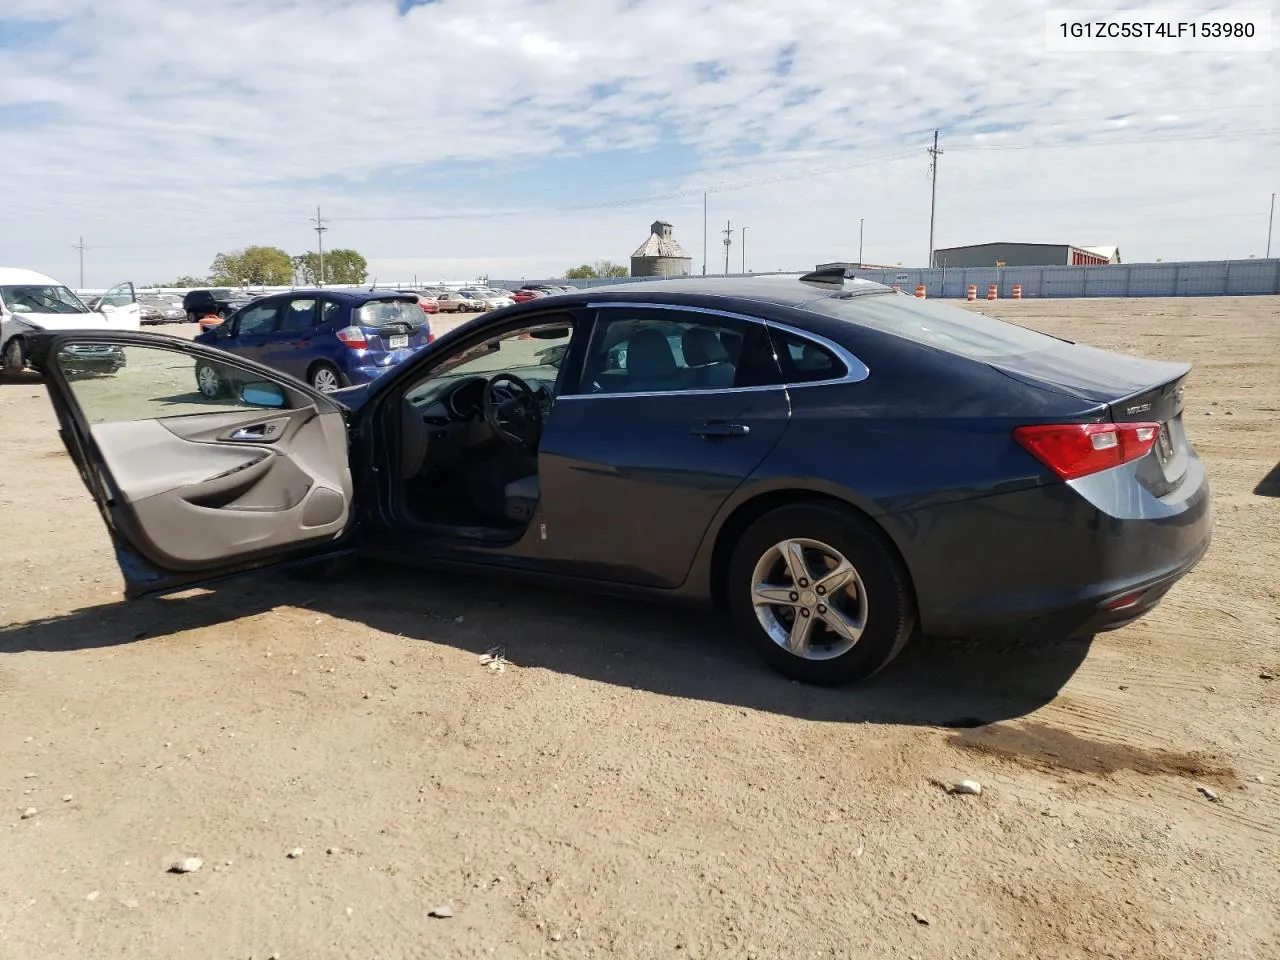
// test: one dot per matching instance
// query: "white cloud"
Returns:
(177, 130)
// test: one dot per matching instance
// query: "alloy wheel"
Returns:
(809, 599)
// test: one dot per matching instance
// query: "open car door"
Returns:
(194, 488)
(120, 307)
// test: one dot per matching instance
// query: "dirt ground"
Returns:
(633, 783)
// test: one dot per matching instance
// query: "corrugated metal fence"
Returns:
(1210, 278)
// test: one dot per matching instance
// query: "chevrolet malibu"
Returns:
(834, 465)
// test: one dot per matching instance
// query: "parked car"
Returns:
(451, 301)
(158, 309)
(525, 294)
(328, 338)
(428, 304)
(446, 304)
(31, 302)
(217, 301)
(834, 465)
(492, 299)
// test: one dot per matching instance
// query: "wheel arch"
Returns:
(744, 514)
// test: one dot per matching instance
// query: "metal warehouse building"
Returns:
(1025, 255)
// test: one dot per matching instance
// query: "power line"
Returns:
(1174, 138)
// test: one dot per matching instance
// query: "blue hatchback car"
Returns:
(328, 338)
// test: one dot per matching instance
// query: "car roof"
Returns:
(353, 296)
(17, 276)
(786, 290)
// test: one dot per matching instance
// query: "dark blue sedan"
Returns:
(835, 465)
(328, 338)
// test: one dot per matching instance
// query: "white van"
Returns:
(30, 301)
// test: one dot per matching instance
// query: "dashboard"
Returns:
(446, 419)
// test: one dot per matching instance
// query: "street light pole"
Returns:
(861, 220)
(744, 250)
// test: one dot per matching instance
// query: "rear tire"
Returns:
(15, 355)
(326, 378)
(847, 631)
(209, 381)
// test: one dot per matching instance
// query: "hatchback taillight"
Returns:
(353, 337)
(1074, 450)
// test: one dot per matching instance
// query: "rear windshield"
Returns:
(380, 313)
(940, 325)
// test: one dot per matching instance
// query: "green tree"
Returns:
(340, 266)
(262, 266)
(584, 272)
(184, 283)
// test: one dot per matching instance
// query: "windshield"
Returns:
(531, 358)
(934, 324)
(41, 299)
(380, 313)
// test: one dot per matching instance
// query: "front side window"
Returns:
(642, 350)
(41, 299)
(534, 354)
(259, 319)
(113, 383)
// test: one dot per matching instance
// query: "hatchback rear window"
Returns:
(380, 313)
(934, 324)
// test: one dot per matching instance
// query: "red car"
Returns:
(426, 303)
(522, 296)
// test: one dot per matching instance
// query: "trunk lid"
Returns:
(1134, 391)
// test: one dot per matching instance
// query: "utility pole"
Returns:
(320, 228)
(934, 153)
(80, 246)
(1270, 221)
(728, 242)
(861, 220)
(744, 251)
(704, 233)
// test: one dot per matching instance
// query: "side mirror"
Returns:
(262, 394)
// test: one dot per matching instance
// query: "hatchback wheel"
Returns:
(821, 596)
(209, 381)
(326, 378)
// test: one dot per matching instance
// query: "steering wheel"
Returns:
(513, 413)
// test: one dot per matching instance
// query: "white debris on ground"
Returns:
(495, 659)
(187, 865)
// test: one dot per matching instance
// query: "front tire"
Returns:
(15, 355)
(820, 594)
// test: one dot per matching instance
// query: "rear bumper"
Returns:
(1061, 560)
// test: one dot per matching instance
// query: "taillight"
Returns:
(1074, 450)
(353, 337)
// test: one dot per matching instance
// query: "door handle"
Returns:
(258, 431)
(714, 430)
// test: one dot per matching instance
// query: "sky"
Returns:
(515, 138)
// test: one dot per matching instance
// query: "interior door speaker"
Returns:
(324, 506)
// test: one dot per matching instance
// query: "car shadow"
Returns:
(1269, 486)
(26, 376)
(677, 652)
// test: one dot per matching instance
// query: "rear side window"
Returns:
(298, 315)
(380, 313)
(803, 361)
(939, 325)
(259, 319)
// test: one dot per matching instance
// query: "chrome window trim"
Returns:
(857, 371)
